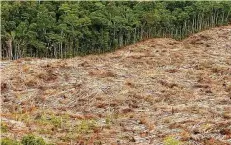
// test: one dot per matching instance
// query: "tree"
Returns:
(66, 29)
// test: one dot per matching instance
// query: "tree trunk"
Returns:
(10, 48)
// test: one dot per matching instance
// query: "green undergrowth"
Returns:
(26, 140)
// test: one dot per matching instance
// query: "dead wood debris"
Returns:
(141, 94)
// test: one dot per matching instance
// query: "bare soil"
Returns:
(152, 92)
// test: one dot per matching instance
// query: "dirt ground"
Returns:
(160, 91)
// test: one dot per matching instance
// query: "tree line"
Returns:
(66, 29)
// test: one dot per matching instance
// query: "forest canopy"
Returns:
(65, 29)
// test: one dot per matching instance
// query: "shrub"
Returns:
(26, 140)
(56, 121)
(32, 140)
(171, 141)
(7, 141)
(86, 126)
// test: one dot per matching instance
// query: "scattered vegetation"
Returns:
(86, 126)
(7, 141)
(32, 140)
(172, 141)
(4, 127)
(50, 119)
(26, 140)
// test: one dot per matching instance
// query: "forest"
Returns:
(66, 29)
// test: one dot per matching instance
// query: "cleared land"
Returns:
(156, 91)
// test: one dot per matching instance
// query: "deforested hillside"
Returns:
(159, 91)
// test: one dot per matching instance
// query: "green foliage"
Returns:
(46, 119)
(32, 140)
(172, 141)
(56, 121)
(64, 29)
(4, 127)
(7, 141)
(26, 140)
(108, 121)
(86, 126)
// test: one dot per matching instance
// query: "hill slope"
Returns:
(147, 93)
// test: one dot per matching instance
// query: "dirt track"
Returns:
(142, 94)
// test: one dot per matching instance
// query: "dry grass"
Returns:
(156, 91)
